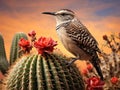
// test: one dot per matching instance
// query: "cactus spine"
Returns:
(14, 52)
(50, 72)
(3, 59)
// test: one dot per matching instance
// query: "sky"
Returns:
(99, 16)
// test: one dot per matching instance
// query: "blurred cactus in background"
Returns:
(3, 59)
(15, 48)
(110, 63)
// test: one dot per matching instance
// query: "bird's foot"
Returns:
(72, 61)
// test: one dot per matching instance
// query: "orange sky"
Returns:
(99, 16)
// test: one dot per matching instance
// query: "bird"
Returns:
(76, 38)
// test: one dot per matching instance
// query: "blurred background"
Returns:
(99, 16)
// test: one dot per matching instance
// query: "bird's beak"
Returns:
(49, 13)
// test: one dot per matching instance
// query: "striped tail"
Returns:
(95, 62)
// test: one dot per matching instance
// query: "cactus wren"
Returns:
(76, 38)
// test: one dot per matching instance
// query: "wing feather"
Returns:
(83, 38)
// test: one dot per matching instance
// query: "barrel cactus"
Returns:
(43, 71)
(3, 59)
(14, 52)
(48, 72)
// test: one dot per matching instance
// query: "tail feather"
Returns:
(95, 62)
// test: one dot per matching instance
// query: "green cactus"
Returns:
(3, 59)
(14, 52)
(50, 72)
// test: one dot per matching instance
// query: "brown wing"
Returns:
(83, 38)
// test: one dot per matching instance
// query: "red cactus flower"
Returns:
(25, 45)
(94, 83)
(45, 45)
(105, 37)
(84, 71)
(114, 80)
(32, 33)
(89, 67)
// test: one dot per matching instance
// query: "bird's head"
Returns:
(62, 15)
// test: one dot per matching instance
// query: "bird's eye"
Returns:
(63, 14)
